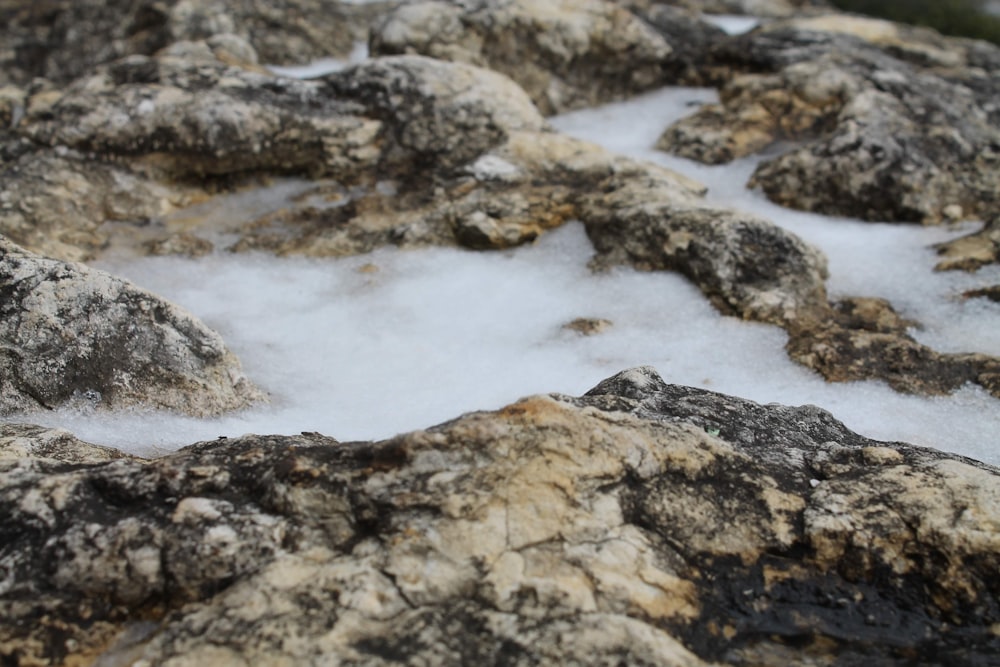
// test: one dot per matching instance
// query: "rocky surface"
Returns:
(417, 151)
(74, 335)
(892, 123)
(566, 54)
(63, 39)
(642, 523)
(20, 442)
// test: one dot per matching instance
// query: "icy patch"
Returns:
(322, 66)
(732, 24)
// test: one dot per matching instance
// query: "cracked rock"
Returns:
(642, 523)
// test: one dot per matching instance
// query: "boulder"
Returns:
(888, 122)
(566, 54)
(65, 39)
(643, 523)
(71, 335)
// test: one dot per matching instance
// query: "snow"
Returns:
(323, 65)
(733, 24)
(366, 347)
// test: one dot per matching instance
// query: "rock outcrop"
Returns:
(566, 54)
(642, 523)
(64, 39)
(74, 335)
(895, 123)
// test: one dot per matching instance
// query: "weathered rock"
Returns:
(120, 140)
(744, 264)
(70, 334)
(193, 116)
(588, 326)
(26, 441)
(897, 123)
(57, 202)
(65, 39)
(642, 523)
(973, 251)
(566, 54)
(768, 8)
(864, 339)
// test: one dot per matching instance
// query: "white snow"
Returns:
(733, 24)
(323, 65)
(370, 346)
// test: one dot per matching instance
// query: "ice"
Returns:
(370, 346)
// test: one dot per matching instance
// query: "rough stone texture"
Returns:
(64, 39)
(896, 123)
(27, 441)
(972, 252)
(643, 523)
(767, 8)
(161, 125)
(865, 339)
(69, 334)
(566, 54)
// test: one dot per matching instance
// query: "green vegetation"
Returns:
(964, 18)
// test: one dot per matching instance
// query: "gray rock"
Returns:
(894, 123)
(566, 54)
(65, 39)
(74, 335)
(643, 523)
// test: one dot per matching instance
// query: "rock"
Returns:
(57, 203)
(194, 116)
(766, 8)
(745, 265)
(971, 252)
(74, 335)
(992, 293)
(27, 441)
(588, 326)
(566, 54)
(65, 39)
(893, 123)
(864, 339)
(642, 523)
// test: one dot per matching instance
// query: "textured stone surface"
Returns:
(566, 54)
(27, 441)
(69, 334)
(64, 39)
(971, 252)
(865, 339)
(643, 523)
(895, 123)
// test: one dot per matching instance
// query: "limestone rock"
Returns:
(57, 203)
(71, 334)
(864, 339)
(766, 8)
(65, 39)
(894, 123)
(643, 523)
(196, 116)
(972, 252)
(26, 441)
(566, 54)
